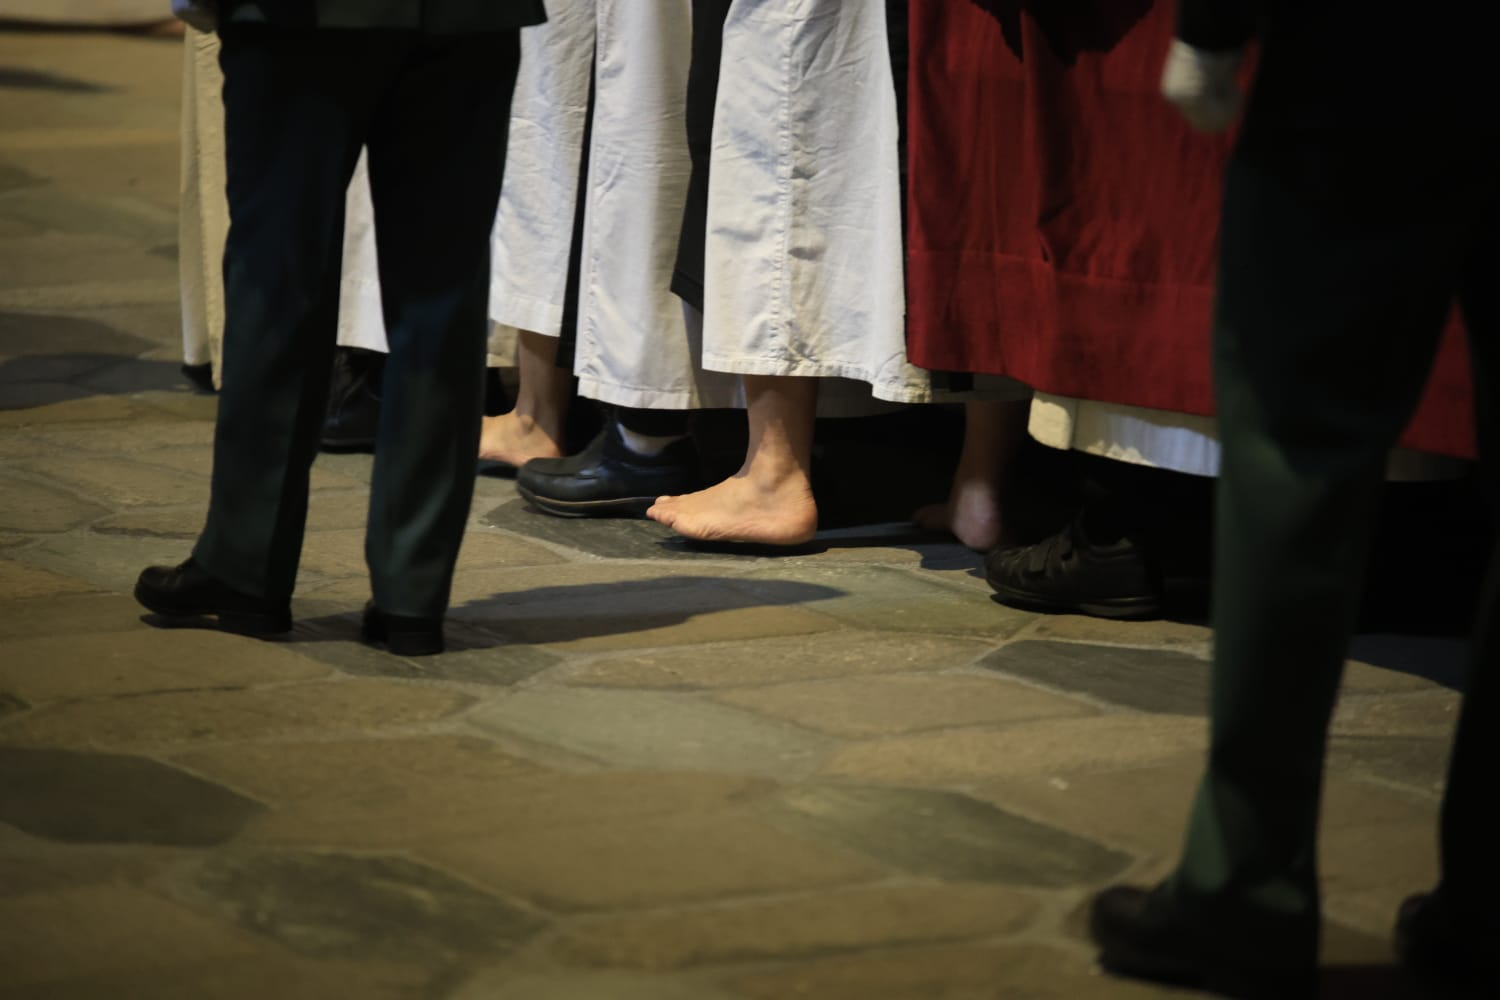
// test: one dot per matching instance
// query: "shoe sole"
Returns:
(335, 447)
(403, 643)
(409, 643)
(1135, 608)
(1219, 984)
(252, 623)
(619, 507)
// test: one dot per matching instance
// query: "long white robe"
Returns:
(638, 344)
(804, 261)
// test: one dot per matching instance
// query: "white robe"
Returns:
(804, 261)
(638, 344)
(1177, 441)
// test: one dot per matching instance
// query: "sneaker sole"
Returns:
(1134, 608)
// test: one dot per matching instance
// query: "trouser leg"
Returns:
(1470, 862)
(437, 156)
(293, 116)
(1333, 290)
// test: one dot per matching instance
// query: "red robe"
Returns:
(1063, 217)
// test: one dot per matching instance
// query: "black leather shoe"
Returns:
(353, 401)
(187, 591)
(1439, 945)
(1068, 574)
(607, 479)
(1143, 934)
(402, 635)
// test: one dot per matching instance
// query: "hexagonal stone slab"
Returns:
(11, 705)
(92, 798)
(27, 505)
(1150, 680)
(507, 984)
(897, 703)
(18, 580)
(946, 835)
(891, 599)
(188, 717)
(377, 907)
(950, 972)
(119, 482)
(801, 926)
(604, 864)
(1055, 746)
(651, 730)
(123, 664)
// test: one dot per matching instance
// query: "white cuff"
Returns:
(1204, 86)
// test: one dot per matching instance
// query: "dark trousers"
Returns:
(433, 112)
(1342, 252)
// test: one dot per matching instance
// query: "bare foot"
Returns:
(744, 509)
(516, 439)
(972, 515)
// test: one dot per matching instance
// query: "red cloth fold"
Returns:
(1063, 218)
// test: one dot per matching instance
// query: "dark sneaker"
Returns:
(1068, 574)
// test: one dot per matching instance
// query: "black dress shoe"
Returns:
(187, 591)
(1441, 946)
(402, 635)
(1068, 574)
(353, 401)
(607, 479)
(1143, 934)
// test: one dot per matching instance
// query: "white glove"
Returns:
(198, 14)
(1204, 86)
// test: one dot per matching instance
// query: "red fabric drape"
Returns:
(1063, 217)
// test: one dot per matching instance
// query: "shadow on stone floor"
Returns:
(40, 380)
(25, 334)
(14, 78)
(51, 359)
(563, 614)
(1381, 981)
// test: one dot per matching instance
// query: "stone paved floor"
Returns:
(644, 774)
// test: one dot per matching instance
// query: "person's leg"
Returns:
(1458, 930)
(289, 158)
(534, 426)
(770, 500)
(1334, 281)
(994, 431)
(437, 156)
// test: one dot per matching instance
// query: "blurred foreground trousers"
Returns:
(1344, 246)
(433, 109)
